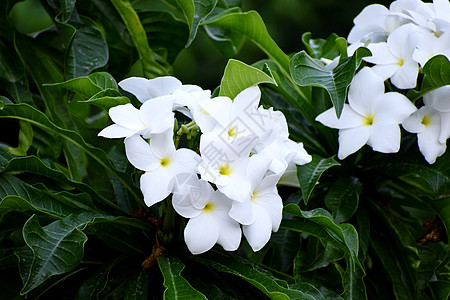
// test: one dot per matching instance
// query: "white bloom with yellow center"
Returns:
(371, 116)
(161, 163)
(207, 210)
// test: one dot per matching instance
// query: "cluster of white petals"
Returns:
(401, 38)
(229, 186)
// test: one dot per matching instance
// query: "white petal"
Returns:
(127, 116)
(184, 161)
(190, 194)
(243, 212)
(259, 232)
(219, 108)
(385, 138)
(201, 233)
(162, 144)
(381, 54)
(273, 205)
(413, 123)
(365, 87)
(406, 76)
(351, 140)
(139, 154)
(116, 131)
(238, 188)
(158, 114)
(349, 118)
(445, 127)
(393, 108)
(429, 144)
(162, 86)
(156, 185)
(385, 71)
(369, 21)
(300, 156)
(136, 86)
(439, 99)
(257, 168)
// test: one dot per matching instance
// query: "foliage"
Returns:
(73, 224)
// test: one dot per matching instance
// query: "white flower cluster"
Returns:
(402, 39)
(244, 150)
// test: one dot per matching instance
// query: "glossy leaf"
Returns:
(344, 234)
(195, 11)
(176, 286)
(107, 98)
(261, 280)
(309, 174)
(307, 71)
(88, 50)
(321, 48)
(11, 68)
(343, 198)
(436, 73)
(252, 26)
(238, 76)
(137, 287)
(29, 114)
(57, 248)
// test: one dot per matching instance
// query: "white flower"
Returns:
(430, 45)
(207, 210)
(260, 213)
(370, 24)
(146, 89)
(225, 167)
(154, 116)
(371, 117)
(439, 99)
(426, 122)
(393, 59)
(161, 163)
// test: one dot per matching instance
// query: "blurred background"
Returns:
(286, 21)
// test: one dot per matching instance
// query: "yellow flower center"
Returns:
(204, 111)
(232, 131)
(208, 207)
(254, 196)
(225, 169)
(400, 62)
(426, 120)
(368, 120)
(164, 162)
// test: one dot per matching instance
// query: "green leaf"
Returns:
(436, 73)
(96, 283)
(67, 7)
(308, 71)
(150, 66)
(137, 287)
(176, 286)
(107, 98)
(354, 287)
(251, 25)
(165, 33)
(320, 48)
(441, 289)
(343, 198)
(88, 50)
(195, 11)
(25, 140)
(345, 234)
(309, 174)
(11, 68)
(30, 114)
(258, 277)
(238, 76)
(57, 248)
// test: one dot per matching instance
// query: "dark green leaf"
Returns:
(259, 278)
(57, 248)
(252, 26)
(25, 140)
(11, 69)
(308, 71)
(354, 287)
(309, 174)
(436, 73)
(320, 48)
(176, 286)
(238, 76)
(96, 283)
(28, 113)
(343, 198)
(88, 50)
(195, 11)
(137, 287)
(107, 98)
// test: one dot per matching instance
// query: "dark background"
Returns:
(286, 21)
